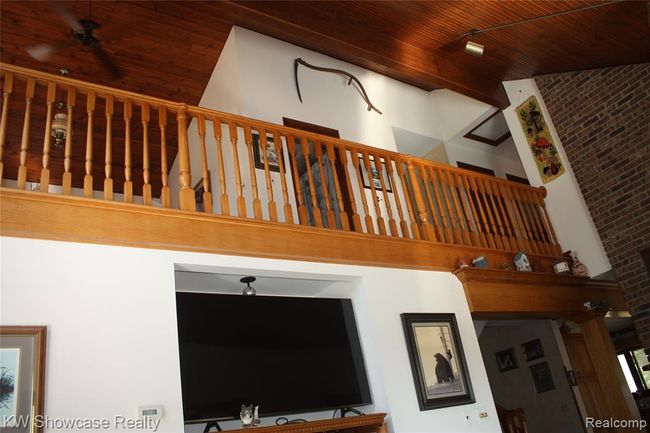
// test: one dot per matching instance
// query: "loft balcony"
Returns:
(140, 171)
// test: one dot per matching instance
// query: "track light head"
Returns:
(474, 49)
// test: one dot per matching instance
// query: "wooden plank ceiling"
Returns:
(168, 49)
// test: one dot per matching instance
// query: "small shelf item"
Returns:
(480, 262)
(521, 262)
(363, 423)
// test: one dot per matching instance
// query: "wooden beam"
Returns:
(76, 219)
(497, 294)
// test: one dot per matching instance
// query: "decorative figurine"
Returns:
(521, 262)
(462, 264)
(247, 415)
(480, 262)
(577, 268)
(561, 267)
(505, 266)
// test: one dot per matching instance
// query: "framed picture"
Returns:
(376, 180)
(507, 360)
(542, 377)
(437, 360)
(271, 154)
(22, 376)
(533, 350)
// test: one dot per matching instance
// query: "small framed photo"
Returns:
(533, 350)
(542, 377)
(437, 360)
(22, 376)
(376, 180)
(507, 360)
(271, 153)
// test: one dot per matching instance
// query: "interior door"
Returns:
(586, 378)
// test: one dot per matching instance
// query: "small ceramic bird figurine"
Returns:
(578, 268)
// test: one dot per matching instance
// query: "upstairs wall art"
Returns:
(540, 141)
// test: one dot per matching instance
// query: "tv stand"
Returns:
(211, 424)
(357, 424)
(345, 410)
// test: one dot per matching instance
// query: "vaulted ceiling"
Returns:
(169, 48)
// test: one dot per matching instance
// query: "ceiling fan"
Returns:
(84, 32)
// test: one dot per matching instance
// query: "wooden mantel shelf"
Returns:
(494, 294)
(372, 422)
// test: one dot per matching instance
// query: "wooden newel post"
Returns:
(427, 228)
(186, 193)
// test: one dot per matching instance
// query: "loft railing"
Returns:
(254, 169)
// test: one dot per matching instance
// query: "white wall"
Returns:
(566, 207)
(112, 342)
(550, 411)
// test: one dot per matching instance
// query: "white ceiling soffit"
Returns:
(413, 143)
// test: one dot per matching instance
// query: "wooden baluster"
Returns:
(557, 249)
(67, 161)
(380, 219)
(207, 195)
(24, 145)
(476, 216)
(331, 155)
(288, 210)
(392, 224)
(370, 225)
(520, 230)
(225, 201)
(446, 223)
(445, 191)
(490, 211)
(331, 217)
(516, 239)
(453, 191)
(108, 155)
(505, 217)
(400, 212)
(303, 216)
(47, 139)
(186, 198)
(128, 183)
(241, 201)
(146, 170)
(545, 245)
(415, 227)
(88, 178)
(427, 230)
(273, 210)
(485, 216)
(304, 146)
(534, 227)
(356, 219)
(165, 192)
(525, 216)
(457, 180)
(505, 240)
(7, 90)
(257, 204)
(425, 181)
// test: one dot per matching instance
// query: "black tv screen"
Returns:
(285, 354)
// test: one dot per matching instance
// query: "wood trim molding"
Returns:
(375, 420)
(494, 294)
(75, 219)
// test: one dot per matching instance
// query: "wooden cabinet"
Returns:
(357, 424)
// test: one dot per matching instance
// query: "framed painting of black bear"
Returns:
(437, 360)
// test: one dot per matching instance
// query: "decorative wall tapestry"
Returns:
(539, 139)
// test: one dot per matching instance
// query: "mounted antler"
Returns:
(350, 77)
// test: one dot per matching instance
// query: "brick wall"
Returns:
(603, 119)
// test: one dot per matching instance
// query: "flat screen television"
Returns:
(286, 354)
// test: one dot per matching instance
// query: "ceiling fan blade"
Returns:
(43, 52)
(68, 17)
(107, 62)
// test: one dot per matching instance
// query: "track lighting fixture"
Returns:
(474, 48)
(248, 290)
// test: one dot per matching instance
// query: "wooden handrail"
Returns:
(335, 181)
